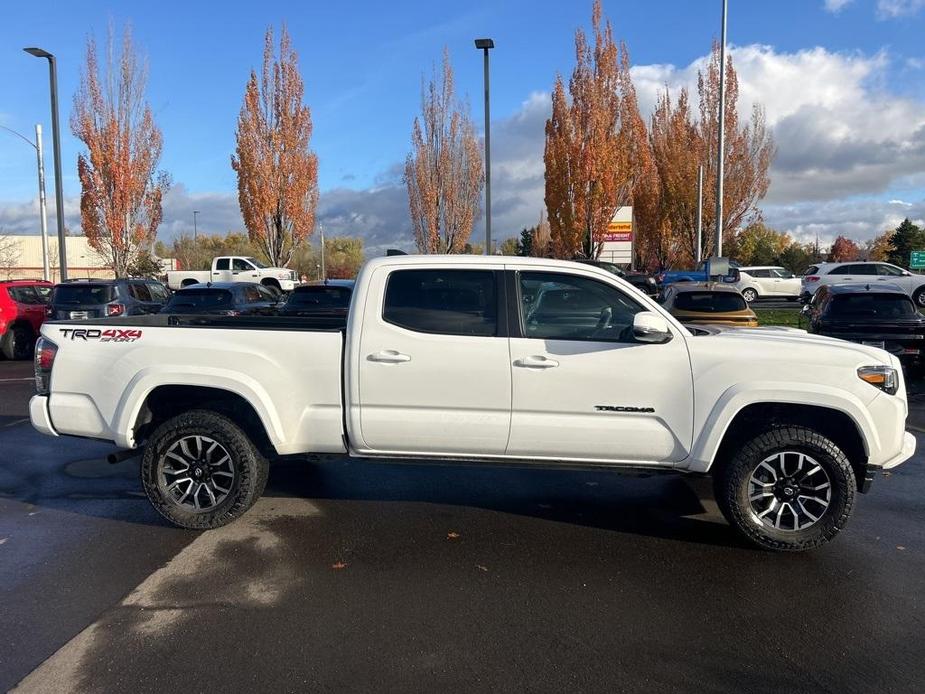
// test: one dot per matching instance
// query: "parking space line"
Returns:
(13, 380)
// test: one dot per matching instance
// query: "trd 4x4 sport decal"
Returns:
(109, 335)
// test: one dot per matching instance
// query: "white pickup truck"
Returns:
(234, 268)
(499, 361)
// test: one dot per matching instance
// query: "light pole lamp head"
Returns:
(38, 52)
(484, 44)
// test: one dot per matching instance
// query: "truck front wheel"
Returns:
(201, 471)
(789, 488)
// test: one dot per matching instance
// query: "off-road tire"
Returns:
(18, 343)
(250, 466)
(731, 488)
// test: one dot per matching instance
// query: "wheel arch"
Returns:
(169, 400)
(271, 282)
(770, 403)
(835, 424)
(153, 397)
(188, 282)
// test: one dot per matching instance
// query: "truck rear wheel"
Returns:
(788, 488)
(201, 471)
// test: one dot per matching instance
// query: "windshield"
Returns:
(82, 294)
(205, 298)
(709, 302)
(322, 297)
(872, 306)
(256, 263)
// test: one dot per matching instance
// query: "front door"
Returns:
(433, 366)
(583, 388)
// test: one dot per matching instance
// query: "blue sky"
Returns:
(362, 63)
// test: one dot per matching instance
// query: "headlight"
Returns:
(883, 377)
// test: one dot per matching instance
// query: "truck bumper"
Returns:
(287, 285)
(908, 450)
(38, 414)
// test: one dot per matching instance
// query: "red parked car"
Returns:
(22, 311)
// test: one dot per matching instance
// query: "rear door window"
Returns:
(82, 294)
(139, 290)
(205, 298)
(710, 302)
(449, 302)
(222, 264)
(868, 305)
(158, 291)
(23, 295)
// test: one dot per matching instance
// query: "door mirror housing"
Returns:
(805, 309)
(649, 327)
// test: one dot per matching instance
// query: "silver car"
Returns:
(862, 272)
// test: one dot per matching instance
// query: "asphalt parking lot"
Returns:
(354, 576)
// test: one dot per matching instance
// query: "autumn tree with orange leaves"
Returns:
(590, 144)
(277, 171)
(120, 187)
(443, 173)
(844, 249)
(679, 144)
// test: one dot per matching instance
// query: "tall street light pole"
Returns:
(195, 227)
(56, 138)
(722, 128)
(485, 45)
(37, 146)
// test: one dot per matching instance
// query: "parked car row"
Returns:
(26, 304)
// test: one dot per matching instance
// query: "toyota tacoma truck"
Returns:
(495, 361)
(232, 268)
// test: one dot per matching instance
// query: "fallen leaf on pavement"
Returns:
(900, 547)
(339, 565)
(481, 568)
(452, 535)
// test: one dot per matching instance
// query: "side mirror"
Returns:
(732, 276)
(651, 328)
(805, 309)
(906, 273)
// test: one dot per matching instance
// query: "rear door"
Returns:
(222, 270)
(583, 388)
(433, 368)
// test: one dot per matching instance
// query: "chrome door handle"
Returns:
(389, 356)
(536, 361)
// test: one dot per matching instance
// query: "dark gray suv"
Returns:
(79, 299)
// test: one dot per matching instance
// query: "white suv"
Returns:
(862, 272)
(767, 281)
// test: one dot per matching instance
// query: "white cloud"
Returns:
(891, 9)
(836, 6)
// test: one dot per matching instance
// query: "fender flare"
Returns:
(146, 380)
(739, 396)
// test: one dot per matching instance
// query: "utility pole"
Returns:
(195, 228)
(485, 45)
(42, 209)
(722, 127)
(699, 213)
(323, 273)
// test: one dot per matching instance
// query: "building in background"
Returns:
(22, 258)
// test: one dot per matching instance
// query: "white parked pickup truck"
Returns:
(233, 268)
(500, 361)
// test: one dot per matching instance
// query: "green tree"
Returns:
(145, 265)
(759, 244)
(526, 241)
(797, 257)
(510, 247)
(906, 238)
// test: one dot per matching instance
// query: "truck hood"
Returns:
(796, 345)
